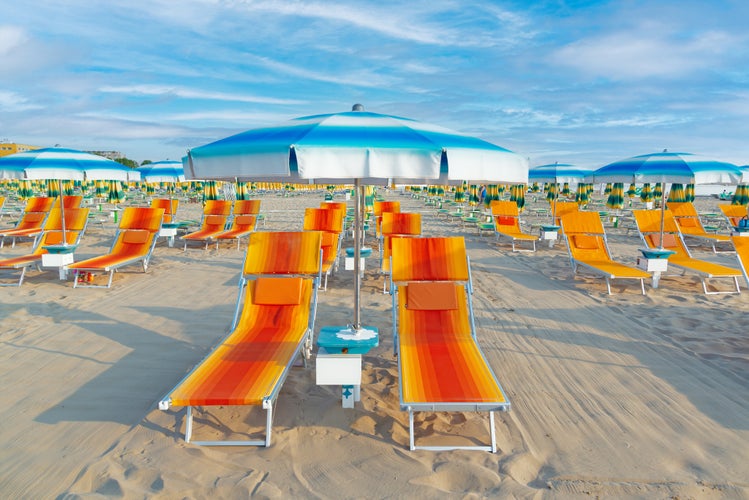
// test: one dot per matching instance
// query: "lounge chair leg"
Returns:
(188, 425)
(111, 277)
(492, 432)
(268, 426)
(411, 429)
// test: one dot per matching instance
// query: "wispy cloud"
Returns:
(185, 93)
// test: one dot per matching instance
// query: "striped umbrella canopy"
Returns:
(616, 196)
(53, 188)
(607, 189)
(646, 193)
(582, 194)
(535, 187)
(566, 190)
(460, 194)
(61, 164)
(68, 187)
(658, 190)
(473, 195)
(162, 171)
(358, 146)
(25, 190)
(669, 167)
(555, 173)
(115, 195)
(689, 192)
(242, 192)
(741, 195)
(677, 193)
(632, 191)
(210, 190)
(517, 194)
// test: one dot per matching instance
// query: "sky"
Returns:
(580, 82)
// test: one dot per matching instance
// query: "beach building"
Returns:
(9, 148)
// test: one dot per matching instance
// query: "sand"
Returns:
(619, 395)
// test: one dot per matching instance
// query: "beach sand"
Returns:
(619, 395)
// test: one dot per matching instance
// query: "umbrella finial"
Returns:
(665, 150)
(357, 107)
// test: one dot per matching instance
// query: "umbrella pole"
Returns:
(663, 212)
(62, 213)
(359, 199)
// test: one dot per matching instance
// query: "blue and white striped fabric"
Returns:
(558, 172)
(355, 145)
(684, 168)
(162, 171)
(63, 164)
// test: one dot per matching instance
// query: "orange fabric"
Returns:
(669, 240)
(283, 253)
(69, 201)
(586, 242)
(734, 213)
(246, 367)
(39, 204)
(321, 219)
(431, 296)
(242, 225)
(687, 222)
(212, 226)
(136, 236)
(505, 220)
(141, 218)
(217, 207)
(245, 220)
(246, 207)
(439, 359)
(381, 207)
(278, 291)
(504, 207)
(400, 223)
(169, 206)
(429, 259)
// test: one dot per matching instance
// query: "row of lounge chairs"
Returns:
(441, 366)
(224, 220)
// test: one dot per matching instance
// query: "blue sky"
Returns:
(581, 82)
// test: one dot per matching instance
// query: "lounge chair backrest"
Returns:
(339, 205)
(404, 223)
(148, 219)
(246, 207)
(734, 213)
(682, 209)
(582, 222)
(271, 252)
(380, 207)
(649, 224)
(429, 259)
(320, 219)
(31, 220)
(565, 207)
(169, 206)
(217, 207)
(39, 204)
(75, 219)
(504, 207)
(69, 201)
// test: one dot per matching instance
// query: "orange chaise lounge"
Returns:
(686, 217)
(649, 226)
(76, 220)
(215, 217)
(243, 222)
(32, 220)
(440, 364)
(330, 222)
(507, 223)
(588, 248)
(273, 324)
(133, 243)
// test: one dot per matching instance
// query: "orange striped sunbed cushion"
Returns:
(145, 218)
(131, 246)
(246, 207)
(246, 367)
(429, 259)
(321, 219)
(439, 359)
(401, 223)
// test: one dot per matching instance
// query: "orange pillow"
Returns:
(669, 240)
(431, 296)
(278, 291)
(245, 220)
(34, 216)
(135, 236)
(214, 220)
(586, 242)
(687, 222)
(505, 220)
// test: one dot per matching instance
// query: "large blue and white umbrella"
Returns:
(558, 173)
(162, 171)
(63, 164)
(359, 146)
(663, 167)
